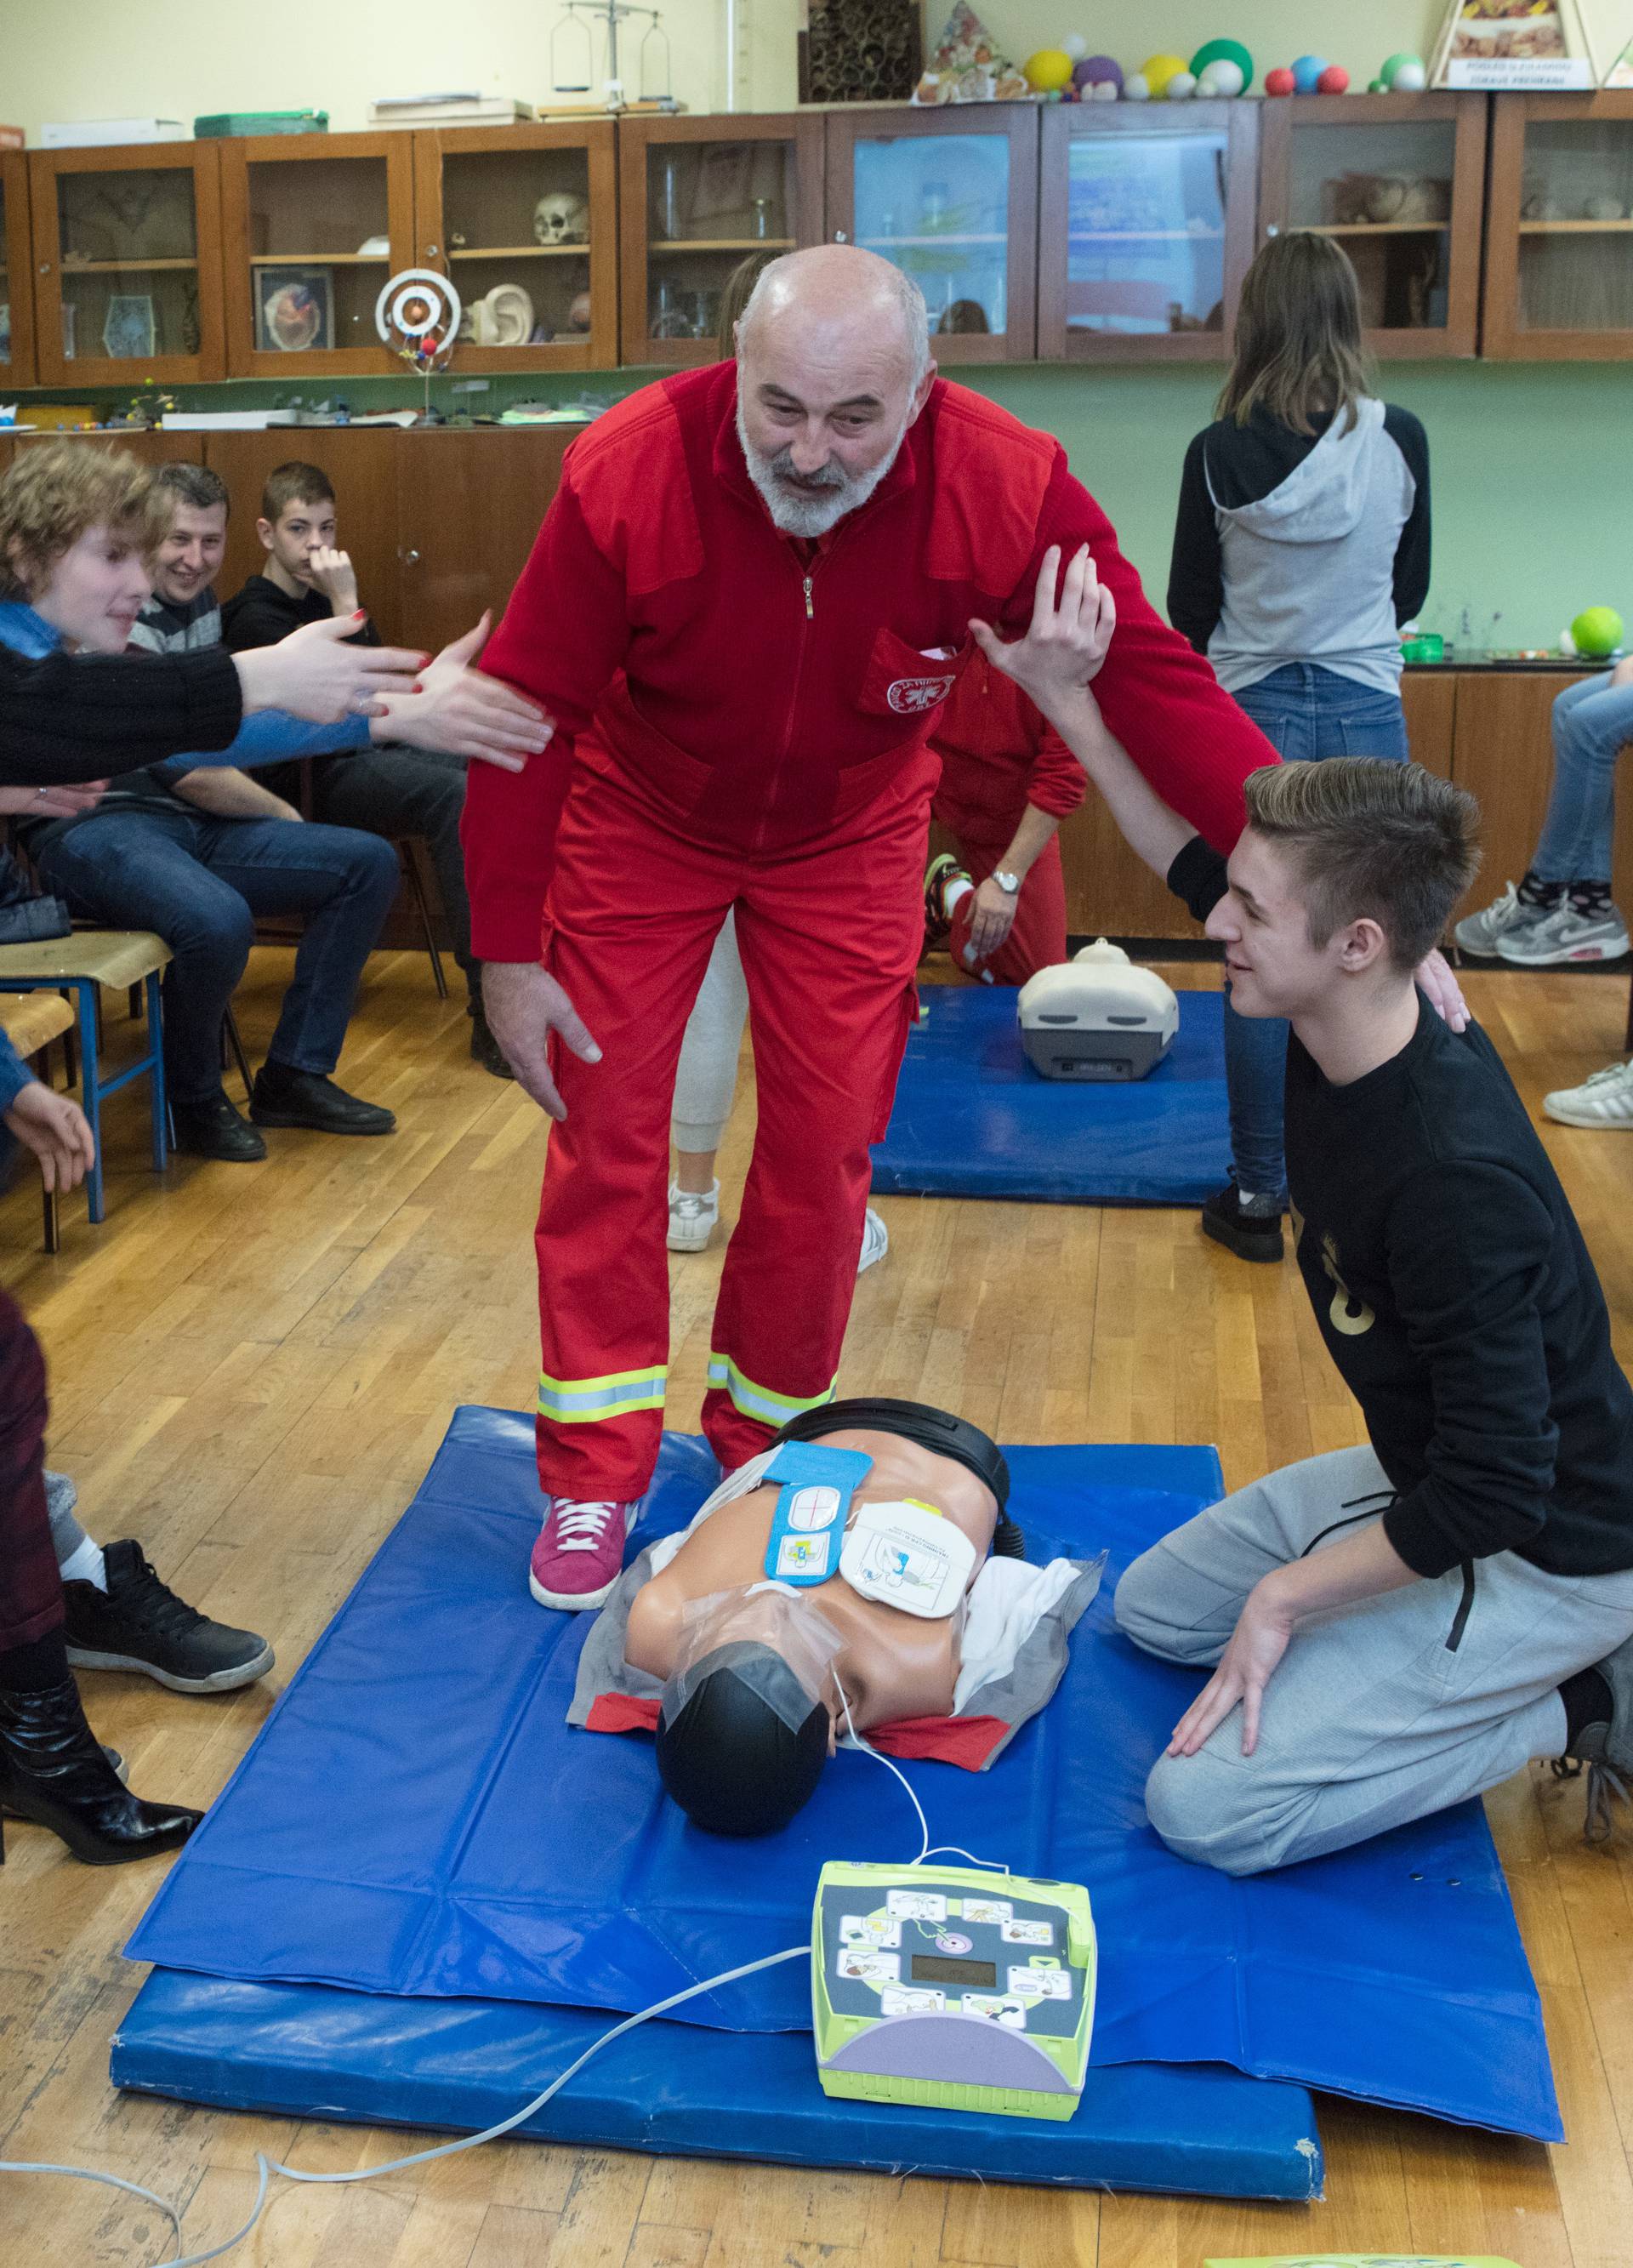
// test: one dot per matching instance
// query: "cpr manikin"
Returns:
(863, 1573)
(1097, 1017)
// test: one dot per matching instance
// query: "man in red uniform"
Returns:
(1007, 781)
(751, 594)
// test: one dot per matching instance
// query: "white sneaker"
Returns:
(1506, 916)
(693, 1219)
(1605, 1099)
(1565, 936)
(875, 1241)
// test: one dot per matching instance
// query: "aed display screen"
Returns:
(933, 1968)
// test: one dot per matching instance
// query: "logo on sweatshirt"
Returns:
(1347, 1314)
(910, 696)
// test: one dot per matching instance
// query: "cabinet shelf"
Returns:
(927, 243)
(72, 267)
(1145, 236)
(1371, 227)
(1575, 227)
(520, 251)
(721, 244)
(320, 260)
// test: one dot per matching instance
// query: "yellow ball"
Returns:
(1156, 71)
(1049, 69)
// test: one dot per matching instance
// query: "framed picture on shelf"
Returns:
(129, 334)
(294, 310)
(1514, 44)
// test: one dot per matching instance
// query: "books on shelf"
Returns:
(646, 105)
(463, 108)
(95, 133)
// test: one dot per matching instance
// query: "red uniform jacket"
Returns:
(751, 694)
(998, 753)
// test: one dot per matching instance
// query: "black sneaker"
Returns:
(284, 1096)
(485, 1049)
(138, 1622)
(1249, 1232)
(214, 1130)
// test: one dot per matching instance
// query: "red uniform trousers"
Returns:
(1037, 937)
(30, 1589)
(829, 935)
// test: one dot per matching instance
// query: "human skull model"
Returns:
(562, 218)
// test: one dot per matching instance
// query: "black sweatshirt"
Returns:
(260, 614)
(1457, 1298)
(67, 718)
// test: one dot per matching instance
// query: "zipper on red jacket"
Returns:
(808, 576)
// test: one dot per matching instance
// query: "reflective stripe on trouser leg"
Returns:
(586, 1401)
(760, 1402)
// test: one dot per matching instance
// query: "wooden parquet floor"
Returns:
(251, 1368)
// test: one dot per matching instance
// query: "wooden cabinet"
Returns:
(523, 219)
(697, 196)
(1559, 229)
(313, 225)
(1145, 228)
(127, 245)
(16, 260)
(951, 196)
(1398, 180)
(1503, 754)
(467, 508)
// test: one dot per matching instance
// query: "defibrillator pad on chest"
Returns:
(908, 1555)
(815, 1487)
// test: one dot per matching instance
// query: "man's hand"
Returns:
(336, 577)
(1623, 673)
(1440, 988)
(52, 802)
(1245, 1668)
(312, 674)
(57, 1131)
(1065, 646)
(456, 708)
(992, 916)
(524, 1004)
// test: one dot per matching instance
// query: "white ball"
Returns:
(1223, 78)
(1411, 78)
(1136, 88)
(1074, 45)
(1104, 90)
(1567, 643)
(1180, 87)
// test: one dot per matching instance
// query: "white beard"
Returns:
(808, 515)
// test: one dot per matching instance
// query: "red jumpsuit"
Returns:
(741, 723)
(997, 756)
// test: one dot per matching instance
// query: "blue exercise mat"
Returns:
(417, 1818)
(307, 2051)
(973, 1119)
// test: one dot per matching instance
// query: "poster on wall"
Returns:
(1513, 45)
(1621, 73)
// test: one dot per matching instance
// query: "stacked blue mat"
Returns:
(973, 1119)
(420, 1893)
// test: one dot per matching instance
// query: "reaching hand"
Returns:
(1440, 988)
(1066, 643)
(336, 577)
(1245, 1668)
(456, 708)
(992, 916)
(314, 674)
(58, 1133)
(524, 1004)
(52, 802)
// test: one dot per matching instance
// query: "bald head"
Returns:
(833, 356)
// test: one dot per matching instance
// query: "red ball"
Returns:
(1279, 81)
(1334, 80)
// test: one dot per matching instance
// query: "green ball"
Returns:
(1223, 51)
(1597, 629)
(1393, 62)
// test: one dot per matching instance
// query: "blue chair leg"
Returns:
(155, 1042)
(85, 995)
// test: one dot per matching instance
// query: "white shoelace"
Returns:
(579, 1527)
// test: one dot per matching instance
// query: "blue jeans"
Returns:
(1306, 713)
(199, 883)
(1593, 724)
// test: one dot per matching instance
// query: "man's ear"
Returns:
(922, 394)
(1363, 946)
(265, 530)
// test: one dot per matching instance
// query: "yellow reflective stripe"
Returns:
(760, 1402)
(584, 1401)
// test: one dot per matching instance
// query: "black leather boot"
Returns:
(53, 1772)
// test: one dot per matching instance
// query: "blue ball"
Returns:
(1306, 71)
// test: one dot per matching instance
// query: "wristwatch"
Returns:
(1010, 884)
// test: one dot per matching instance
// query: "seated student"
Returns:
(753, 1646)
(420, 792)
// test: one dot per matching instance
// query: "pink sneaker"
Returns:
(579, 1553)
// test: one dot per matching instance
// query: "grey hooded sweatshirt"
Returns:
(1303, 547)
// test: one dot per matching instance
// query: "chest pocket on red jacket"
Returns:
(902, 681)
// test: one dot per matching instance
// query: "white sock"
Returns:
(954, 894)
(85, 1565)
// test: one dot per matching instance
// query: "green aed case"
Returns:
(961, 1988)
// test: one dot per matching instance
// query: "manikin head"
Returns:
(190, 557)
(746, 1720)
(1341, 882)
(79, 528)
(832, 365)
(297, 518)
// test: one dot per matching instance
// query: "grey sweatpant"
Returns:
(706, 1077)
(67, 1535)
(1378, 1713)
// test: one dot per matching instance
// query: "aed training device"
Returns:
(1097, 1016)
(953, 1986)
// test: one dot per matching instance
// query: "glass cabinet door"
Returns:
(314, 225)
(127, 247)
(17, 296)
(953, 201)
(697, 205)
(522, 219)
(1397, 181)
(1559, 247)
(1146, 229)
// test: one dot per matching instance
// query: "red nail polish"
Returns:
(416, 687)
(362, 615)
